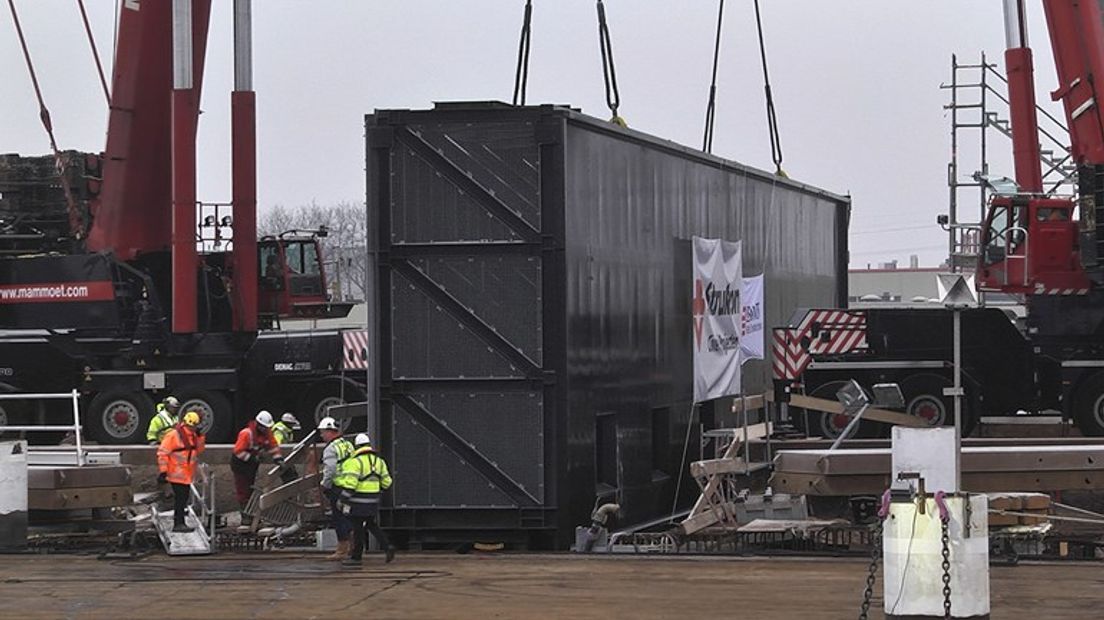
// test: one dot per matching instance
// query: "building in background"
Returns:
(888, 283)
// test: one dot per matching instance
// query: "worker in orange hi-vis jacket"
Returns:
(254, 441)
(176, 459)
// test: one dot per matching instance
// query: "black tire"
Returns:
(216, 415)
(924, 398)
(1088, 406)
(831, 425)
(119, 417)
(329, 392)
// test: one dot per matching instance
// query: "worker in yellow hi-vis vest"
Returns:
(361, 478)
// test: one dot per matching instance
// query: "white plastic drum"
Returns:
(913, 560)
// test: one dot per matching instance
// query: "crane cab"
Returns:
(1029, 246)
(291, 280)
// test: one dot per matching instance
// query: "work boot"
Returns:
(342, 550)
(351, 563)
(390, 555)
(180, 528)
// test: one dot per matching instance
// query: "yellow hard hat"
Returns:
(191, 418)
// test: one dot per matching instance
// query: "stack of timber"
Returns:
(1008, 509)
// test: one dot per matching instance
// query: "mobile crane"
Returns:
(114, 297)
(1031, 246)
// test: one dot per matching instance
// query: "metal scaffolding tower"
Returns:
(979, 102)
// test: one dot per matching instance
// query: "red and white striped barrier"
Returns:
(355, 351)
(820, 332)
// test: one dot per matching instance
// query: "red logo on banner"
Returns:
(698, 309)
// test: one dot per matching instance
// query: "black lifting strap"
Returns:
(710, 109)
(521, 77)
(772, 120)
(609, 74)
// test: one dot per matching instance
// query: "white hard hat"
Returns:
(172, 403)
(264, 418)
(362, 440)
(327, 424)
(290, 419)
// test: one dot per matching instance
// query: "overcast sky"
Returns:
(856, 86)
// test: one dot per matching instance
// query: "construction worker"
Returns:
(163, 420)
(361, 478)
(336, 451)
(284, 433)
(254, 442)
(284, 430)
(176, 459)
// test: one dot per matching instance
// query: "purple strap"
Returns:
(883, 508)
(941, 504)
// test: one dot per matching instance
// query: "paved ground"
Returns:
(284, 585)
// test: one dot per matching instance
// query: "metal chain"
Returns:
(946, 570)
(871, 575)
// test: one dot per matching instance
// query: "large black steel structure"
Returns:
(535, 325)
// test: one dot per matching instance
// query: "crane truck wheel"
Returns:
(216, 415)
(329, 392)
(1088, 406)
(832, 425)
(119, 417)
(924, 399)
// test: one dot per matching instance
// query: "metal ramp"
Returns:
(200, 515)
(197, 542)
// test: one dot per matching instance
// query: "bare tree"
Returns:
(275, 221)
(344, 248)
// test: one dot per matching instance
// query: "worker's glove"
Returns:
(279, 460)
(163, 477)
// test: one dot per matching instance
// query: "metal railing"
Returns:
(75, 427)
(203, 502)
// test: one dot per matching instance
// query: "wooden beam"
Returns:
(751, 403)
(701, 521)
(872, 413)
(712, 467)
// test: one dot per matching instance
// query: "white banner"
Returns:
(716, 314)
(751, 319)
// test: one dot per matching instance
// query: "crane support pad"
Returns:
(69, 477)
(79, 498)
